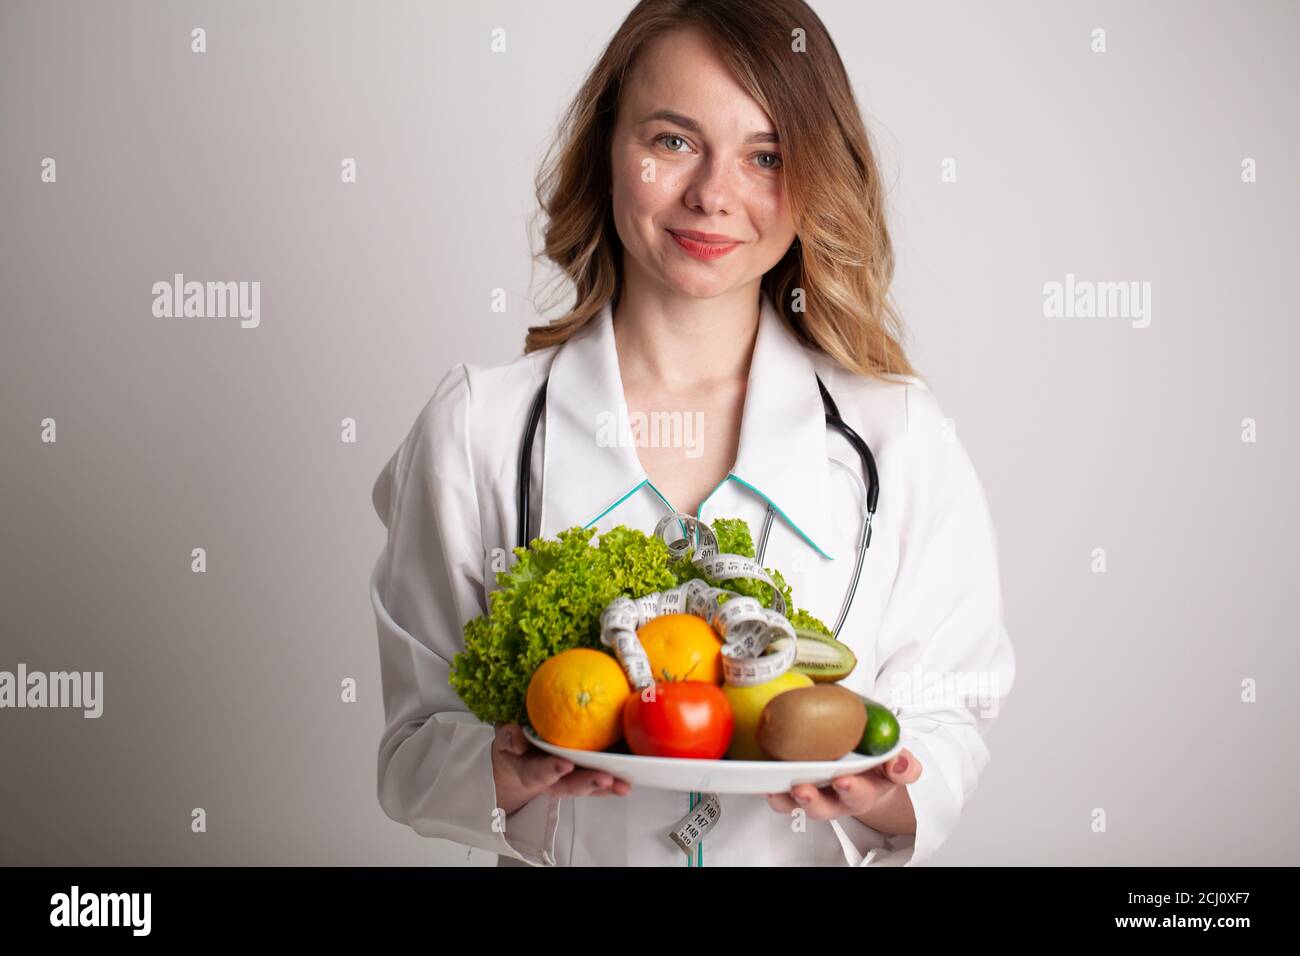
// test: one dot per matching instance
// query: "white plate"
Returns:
(715, 776)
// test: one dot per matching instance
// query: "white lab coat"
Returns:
(928, 602)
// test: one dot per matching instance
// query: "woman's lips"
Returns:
(702, 250)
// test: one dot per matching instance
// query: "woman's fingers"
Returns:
(539, 771)
(903, 769)
(819, 803)
(858, 792)
(542, 772)
(781, 802)
(849, 795)
(522, 771)
(510, 738)
(536, 771)
(583, 783)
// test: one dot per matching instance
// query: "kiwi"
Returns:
(822, 658)
(822, 722)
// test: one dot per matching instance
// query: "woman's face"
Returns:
(693, 153)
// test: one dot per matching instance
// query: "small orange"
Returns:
(575, 699)
(682, 647)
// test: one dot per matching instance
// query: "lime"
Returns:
(882, 729)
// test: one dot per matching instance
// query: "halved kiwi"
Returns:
(821, 657)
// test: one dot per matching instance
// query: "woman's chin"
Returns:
(690, 282)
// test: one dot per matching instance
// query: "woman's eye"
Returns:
(773, 160)
(669, 136)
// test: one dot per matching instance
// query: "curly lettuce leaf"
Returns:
(551, 599)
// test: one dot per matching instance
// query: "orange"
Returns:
(682, 647)
(575, 699)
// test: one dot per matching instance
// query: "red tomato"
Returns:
(689, 718)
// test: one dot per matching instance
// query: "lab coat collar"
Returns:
(782, 455)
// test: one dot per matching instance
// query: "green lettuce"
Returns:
(551, 600)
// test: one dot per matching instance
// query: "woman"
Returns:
(717, 206)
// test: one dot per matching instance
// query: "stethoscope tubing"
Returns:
(833, 420)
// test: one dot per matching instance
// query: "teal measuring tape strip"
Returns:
(699, 849)
(703, 810)
(690, 857)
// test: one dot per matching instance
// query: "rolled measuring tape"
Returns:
(759, 643)
(703, 817)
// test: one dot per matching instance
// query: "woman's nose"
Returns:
(710, 189)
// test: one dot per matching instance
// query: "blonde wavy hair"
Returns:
(841, 259)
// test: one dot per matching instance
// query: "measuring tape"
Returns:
(691, 828)
(759, 643)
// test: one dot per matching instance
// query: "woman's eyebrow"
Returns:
(762, 136)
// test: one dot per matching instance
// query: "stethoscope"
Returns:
(832, 418)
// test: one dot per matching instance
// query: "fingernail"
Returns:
(510, 738)
(839, 784)
(900, 765)
(800, 798)
(559, 768)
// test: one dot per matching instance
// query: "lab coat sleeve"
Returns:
(945, 661)
(435, 763)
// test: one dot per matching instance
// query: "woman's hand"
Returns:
(522, 771)
(882, 789)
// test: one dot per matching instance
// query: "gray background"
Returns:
(222, 689)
